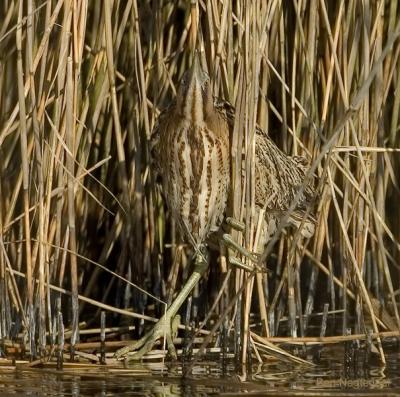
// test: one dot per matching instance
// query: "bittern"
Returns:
(191, 145)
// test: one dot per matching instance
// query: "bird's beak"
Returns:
(195, 70)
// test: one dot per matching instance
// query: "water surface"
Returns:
(330, 376)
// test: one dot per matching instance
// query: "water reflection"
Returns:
(207, 379)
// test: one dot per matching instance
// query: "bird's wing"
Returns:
(279, 175)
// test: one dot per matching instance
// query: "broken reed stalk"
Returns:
(90, 82)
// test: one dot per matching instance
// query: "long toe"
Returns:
(137, 355)
(121, 353)
(163, 329)
(231, 243)
(171, 347)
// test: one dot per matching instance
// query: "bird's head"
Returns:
(194, 94)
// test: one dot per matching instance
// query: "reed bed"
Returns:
(83, 226)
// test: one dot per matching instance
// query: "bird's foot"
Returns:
(230, 242)
(166, 328)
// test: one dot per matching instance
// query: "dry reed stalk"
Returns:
(25, 173)
(70, 167)
(322, 79)
(40, 176)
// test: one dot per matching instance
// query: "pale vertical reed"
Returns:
(81, 86)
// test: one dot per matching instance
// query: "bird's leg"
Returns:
(167, 326)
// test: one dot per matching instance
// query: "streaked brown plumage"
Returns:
(278, 178)
(191, 150)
